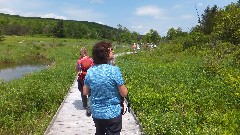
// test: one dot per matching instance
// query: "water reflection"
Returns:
(11, 73)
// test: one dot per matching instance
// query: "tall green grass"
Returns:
(28, 104)
(173, 92)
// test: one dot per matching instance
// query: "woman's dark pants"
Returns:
(84, 97)
(109, 126)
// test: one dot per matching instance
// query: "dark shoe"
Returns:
(88, 111)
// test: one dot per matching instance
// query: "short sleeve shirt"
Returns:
(105, 99)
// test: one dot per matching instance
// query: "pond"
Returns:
(9, 72)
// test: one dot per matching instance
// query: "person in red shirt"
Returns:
(134, 47)
(83, 64)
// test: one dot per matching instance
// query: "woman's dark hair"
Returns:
(100, 52)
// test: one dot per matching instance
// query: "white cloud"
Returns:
(54, 16)
(100, 23)
(149, 11)
(29, 14)
(8, 11)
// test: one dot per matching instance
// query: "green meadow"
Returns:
(173, 90)
(191, 91)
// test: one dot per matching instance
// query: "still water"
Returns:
(14, 72)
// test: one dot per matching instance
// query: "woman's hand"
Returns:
(86, 90)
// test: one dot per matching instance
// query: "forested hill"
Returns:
(214, 25)
(17, 25)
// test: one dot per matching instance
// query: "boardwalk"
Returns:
(71, 118)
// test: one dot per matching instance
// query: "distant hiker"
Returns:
(107, 88)
(154, 46)
(113, 62)
(83, 64)
(151, 46)
(138, 47)
(147, 46)
(134, 48)
(112, 59)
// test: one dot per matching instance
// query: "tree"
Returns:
(126, 35)
(227, 26)
(152, 37)
(47, 30)
(175, 33)
(119, 34)
(155, 37)
(1, 36)
(85, 31)
(171, 34)
(16, 29)
(58, 30)
(135, 36)
(208, 19)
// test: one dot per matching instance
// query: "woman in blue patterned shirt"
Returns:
(107, 87)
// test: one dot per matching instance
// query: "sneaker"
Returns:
(88, 111)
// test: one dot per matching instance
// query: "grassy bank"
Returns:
(18, 49)
(176, 91)
(28, 104)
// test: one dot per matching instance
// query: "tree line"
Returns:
(49, 27)
(215, 24)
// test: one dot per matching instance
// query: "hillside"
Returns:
(17, 25)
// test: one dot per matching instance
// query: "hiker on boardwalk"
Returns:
(83, 64)
(134, 48)
(107, 88)
(138, 47)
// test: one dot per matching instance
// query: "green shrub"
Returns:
(218, 57)
(236, 58)
(197, 39)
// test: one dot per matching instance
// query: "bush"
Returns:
(227, 24)
(218, 57)
(236, 58)
(195, 39)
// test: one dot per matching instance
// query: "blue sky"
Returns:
(135, 15)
